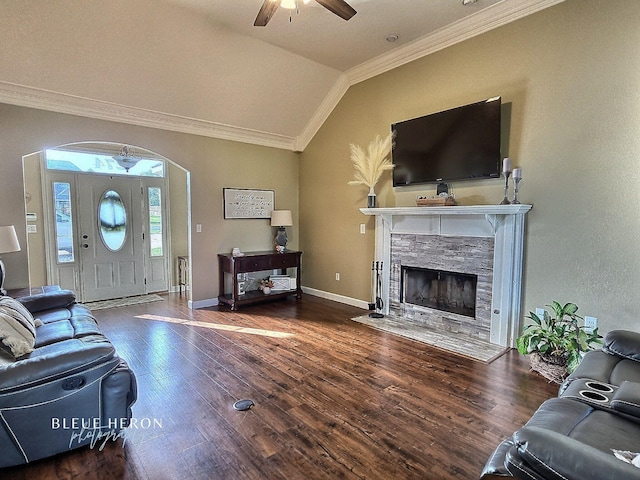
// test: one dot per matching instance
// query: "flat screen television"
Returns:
(458, 144)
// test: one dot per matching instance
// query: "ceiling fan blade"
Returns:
(339, 7)
(267, 10)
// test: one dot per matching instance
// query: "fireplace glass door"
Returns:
(442, 290)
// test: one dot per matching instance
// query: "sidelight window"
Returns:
(64, 221)
(155, 221)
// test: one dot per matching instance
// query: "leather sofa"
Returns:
(71, 390)
(589, 430)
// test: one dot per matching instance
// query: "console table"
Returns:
(256, 262)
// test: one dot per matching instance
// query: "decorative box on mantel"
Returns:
(487, 238)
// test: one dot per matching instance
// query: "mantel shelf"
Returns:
(451, 210)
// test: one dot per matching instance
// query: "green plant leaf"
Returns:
(557, 309)
(522, 345)
(573, 360)
(534, 343)
(570, 309)
(535, 318)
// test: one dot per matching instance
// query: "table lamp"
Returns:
(281, 219)
(8, 243)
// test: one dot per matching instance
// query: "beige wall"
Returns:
(34, 204)
(214, 164)
(571, 74)
(178, 217)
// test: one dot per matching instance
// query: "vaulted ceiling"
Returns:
(200, 66)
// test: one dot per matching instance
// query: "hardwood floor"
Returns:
(334, 399)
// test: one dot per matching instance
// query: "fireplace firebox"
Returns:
(439, 289)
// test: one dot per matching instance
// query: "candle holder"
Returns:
(505, 200)
(516, 182)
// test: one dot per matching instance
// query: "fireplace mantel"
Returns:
(505, 223)
(491, 213)
(451, 210)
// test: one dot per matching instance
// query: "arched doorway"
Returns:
(103, 223)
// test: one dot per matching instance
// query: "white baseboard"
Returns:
(208, 302)
(354, 302)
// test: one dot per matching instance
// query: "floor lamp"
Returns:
(8, 243)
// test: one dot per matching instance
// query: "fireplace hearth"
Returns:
(440, 289)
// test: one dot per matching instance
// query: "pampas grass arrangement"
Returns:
(371, 165)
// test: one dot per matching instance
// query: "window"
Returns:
(101, 164)
(113, 220)
(155, 221)
(64, 221)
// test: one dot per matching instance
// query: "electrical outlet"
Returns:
(590, 324)
(363, 228)
(540, 312)
(337, 277)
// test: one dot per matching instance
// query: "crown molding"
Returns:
(486, 19)
(322, 113)
(41, 99)
(489, 18)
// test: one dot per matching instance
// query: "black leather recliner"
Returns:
(575, 435)
(70, 391)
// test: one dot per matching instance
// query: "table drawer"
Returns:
(284, 260)
(253, 264)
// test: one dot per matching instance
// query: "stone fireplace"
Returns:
(462, 264)
(456, 269)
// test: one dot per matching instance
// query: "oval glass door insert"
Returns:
(113, 220)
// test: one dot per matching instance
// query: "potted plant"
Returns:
(556, 342)
(266, 285)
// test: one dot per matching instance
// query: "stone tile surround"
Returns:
(461, 254)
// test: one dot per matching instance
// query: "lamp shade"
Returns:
(9, 240)
(281, 218)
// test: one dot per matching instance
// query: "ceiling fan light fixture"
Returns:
(339, 7)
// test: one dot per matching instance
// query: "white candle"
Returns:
(517, 172)
(506, 165)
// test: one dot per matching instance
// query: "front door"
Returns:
(111, 237)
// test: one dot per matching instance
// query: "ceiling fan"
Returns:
(269, 7)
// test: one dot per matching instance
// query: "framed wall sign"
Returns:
(245, 203)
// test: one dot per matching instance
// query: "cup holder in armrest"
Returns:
(593, 392)
(600, 387)
(594, 396)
